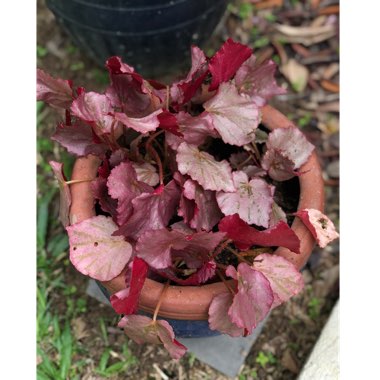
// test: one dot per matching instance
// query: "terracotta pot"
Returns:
(192, 302)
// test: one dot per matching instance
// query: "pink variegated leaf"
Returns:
(218, 317)
(284, 278)
(245, 236)
(118, 156)
(203, 168)
(152, 211)
(234, 116)
(287, 150)
(144, 124)
(252, 200)
(54, 91)
(79, 140)
(64, 192)
(278, 166)
(94, 109)
(100, 192)
(226, 61)
(123, 185)
(257, 80)
(321, 227)
(155, 246)
(94, 251)
(200, 276)
(204, 212)
(126, 301)
(181, 92)
(142, 329)
(146, 173)
(254, 298)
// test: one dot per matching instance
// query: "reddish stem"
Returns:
(153, 152)
(225, 282)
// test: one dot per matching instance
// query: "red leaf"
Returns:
(285, 280)
(151, 211)
(257, 80)
(181, 92)
(126, 301)
(123, 185)
(78, 139)
(94, 251)
(226, 61)
(203, 168)
(234, 116)
(254, 298)
(54, 91)
(244, 236)
(168, 122)
(142, 329)
(252, 200)
(321, 227)
(219, 318)
(64, 192)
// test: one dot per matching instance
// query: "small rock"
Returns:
(333, 169)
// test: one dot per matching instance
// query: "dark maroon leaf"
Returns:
(100, 192)
(54, 91)
(126, 301)
(123, 185)
(151, 211)
(226, 61)
(245, 236)
(78, 139)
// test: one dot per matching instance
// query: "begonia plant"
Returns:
(186, 188)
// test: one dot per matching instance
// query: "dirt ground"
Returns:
(292, 329)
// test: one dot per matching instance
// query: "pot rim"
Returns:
(192, 302)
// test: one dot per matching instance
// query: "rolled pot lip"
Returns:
(192, 302)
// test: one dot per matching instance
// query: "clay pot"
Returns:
(192, 302)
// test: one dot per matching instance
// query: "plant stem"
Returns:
(238, 256)
(225, 282)
(77, 181)
(257, 153)
(160, 300)
(153, 152)
(250, 157)
(218, 250)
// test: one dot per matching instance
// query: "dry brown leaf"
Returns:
(268, 4)
(330, 71)
(79, 328)
(318, 21)
(332, 9)
(289, 362)
(330, 86)
(296, 74)
(306, 35)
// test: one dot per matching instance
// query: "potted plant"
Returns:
(195, 203)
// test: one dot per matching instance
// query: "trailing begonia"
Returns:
(187, 190)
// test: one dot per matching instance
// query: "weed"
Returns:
(264, 358)
(245, 10)
(313, 308)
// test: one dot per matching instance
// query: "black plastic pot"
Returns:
(154, 36)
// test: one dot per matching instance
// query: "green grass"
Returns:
(60, 355)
